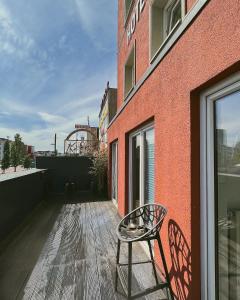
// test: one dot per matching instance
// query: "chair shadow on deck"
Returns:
(181, 270)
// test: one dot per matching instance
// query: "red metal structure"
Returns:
(83, 140)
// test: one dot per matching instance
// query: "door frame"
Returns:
(140, 131)
(207, 182)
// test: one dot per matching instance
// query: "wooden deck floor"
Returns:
(77, 260)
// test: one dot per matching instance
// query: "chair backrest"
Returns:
(149, 215)
(153, 216)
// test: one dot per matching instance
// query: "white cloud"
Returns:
(86, 15)
(5, 19)
(62, 42)
(8, 48)
(12, 39)
(5, 113)
(15, 107)
(81, 102)
(97, 19)
(50, 118)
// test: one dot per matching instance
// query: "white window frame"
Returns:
(207, 189)
(140, 131)
(166, 37)
(165, 19)
(133, 49)
(127, 12)
(114, 200)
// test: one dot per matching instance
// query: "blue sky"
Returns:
(55, 60)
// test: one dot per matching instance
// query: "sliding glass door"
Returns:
(135, 171)
(148, 169)
(141, 167)
(115, 173)
(221, 194)
(227, 195)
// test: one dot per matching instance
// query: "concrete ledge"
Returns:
(17, 174)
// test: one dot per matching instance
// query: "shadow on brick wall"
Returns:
(181, 271)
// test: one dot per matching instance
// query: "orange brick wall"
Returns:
(189, 4)
(207, 52)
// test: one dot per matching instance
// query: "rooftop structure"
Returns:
(107, 112)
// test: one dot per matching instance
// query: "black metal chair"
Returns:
(142, 224)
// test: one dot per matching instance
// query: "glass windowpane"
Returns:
(136, 171)
(227, 193)
(149, 166)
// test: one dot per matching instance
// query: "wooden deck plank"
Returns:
(78, 260)
(91, 278)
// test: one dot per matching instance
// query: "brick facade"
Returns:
(205, 53)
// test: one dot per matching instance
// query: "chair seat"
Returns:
(129, 233)
(141, 223)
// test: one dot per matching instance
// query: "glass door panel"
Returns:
(149, 166)
(141, 168)
(135, 170)
(227, 196)
(114, 171)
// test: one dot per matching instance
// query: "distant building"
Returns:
(107, 112)
(2, 143)
(30, 150)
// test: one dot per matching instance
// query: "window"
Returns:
(220, 190)
(129, 73)
(166, 15)
(128, 4)
(141, 167)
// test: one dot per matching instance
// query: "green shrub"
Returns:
(99, 170)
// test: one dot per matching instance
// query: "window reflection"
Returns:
(227, 139)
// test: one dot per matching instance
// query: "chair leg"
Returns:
(153, 263)
(165, 266)
(117, 262)
(129, 270)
